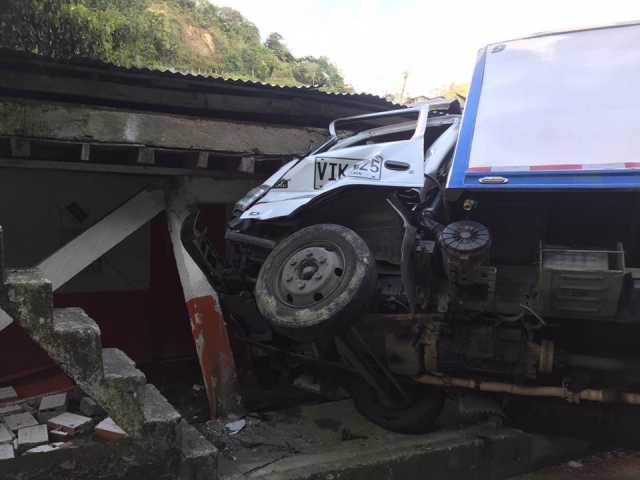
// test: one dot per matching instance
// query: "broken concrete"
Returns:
(46, 448)
(109, 430)
(6, 435)
(7, 393)
(6, 452)
(5, 320)
(70, 423)
(20, 420)
(10, 409)
(51, 406)
(29, 437)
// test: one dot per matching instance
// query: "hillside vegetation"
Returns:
(186, 35)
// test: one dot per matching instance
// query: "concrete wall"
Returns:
(40, 211)
(132, 292)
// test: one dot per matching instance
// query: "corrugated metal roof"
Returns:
(370, 99)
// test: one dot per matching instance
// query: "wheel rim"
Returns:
(311, 275)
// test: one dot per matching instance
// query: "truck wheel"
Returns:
(316, 281)
(414, 416)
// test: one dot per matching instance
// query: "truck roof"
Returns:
(555, 110)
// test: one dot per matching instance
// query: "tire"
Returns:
(316, 282)
(415, 416)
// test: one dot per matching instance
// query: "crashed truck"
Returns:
(425, 250)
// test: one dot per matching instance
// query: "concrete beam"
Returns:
(81, 123)
(138, 169)
(90, 245)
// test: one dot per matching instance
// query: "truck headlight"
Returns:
(249, 199)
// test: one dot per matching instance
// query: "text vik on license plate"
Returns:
(329, 169)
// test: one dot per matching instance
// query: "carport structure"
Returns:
(100, 167)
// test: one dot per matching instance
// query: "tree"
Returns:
(159, 34)
(275, 43)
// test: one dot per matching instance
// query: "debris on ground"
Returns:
(52, 421)
(90, 408)
(20, 420)
(51, 406)
(8, 393)
(109, 430)
(29, 437)
(236, 426)
(610, 465)
(6, 452)
(70, 423)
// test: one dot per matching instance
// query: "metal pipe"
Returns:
(532, 391)
(250, 239)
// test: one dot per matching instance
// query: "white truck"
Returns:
(497, 250)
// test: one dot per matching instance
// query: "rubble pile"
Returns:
(51, 422)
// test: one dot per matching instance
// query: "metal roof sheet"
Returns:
(217, 80)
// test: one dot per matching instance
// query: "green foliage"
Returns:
(181, 34)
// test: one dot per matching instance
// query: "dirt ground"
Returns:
(613, 465)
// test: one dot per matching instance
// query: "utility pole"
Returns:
(405, 76)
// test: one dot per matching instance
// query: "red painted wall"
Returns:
(149, 325)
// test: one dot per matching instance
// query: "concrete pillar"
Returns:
(207, 322)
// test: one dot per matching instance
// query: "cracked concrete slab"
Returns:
(331, 440)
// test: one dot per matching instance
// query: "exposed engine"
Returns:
(511, 321)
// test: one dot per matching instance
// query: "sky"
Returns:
(374, 41)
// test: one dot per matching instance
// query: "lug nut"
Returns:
(323, 260)
(289, 279)
(293, 263)
(302, 285)
(309, 254)
(318, 277)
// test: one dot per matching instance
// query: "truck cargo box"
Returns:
(553, 111)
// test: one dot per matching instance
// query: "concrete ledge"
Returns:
(121, 391)
(121, 460)
(477, 453)
(332, 441)
(199, 457)
(160, 418)
(76, 345)
(28, 298)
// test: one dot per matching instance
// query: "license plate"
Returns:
(332, 169)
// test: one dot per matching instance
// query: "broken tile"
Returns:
(29, 437)
(6, 452)
(52, 402)
(109, 430)
(235, 426)
(9, 409)
(51, 406)
(50, 447)
(89, 407)
(7, 393)
(5, 319)
(69, 423)
(6, 435)
(20, 420)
